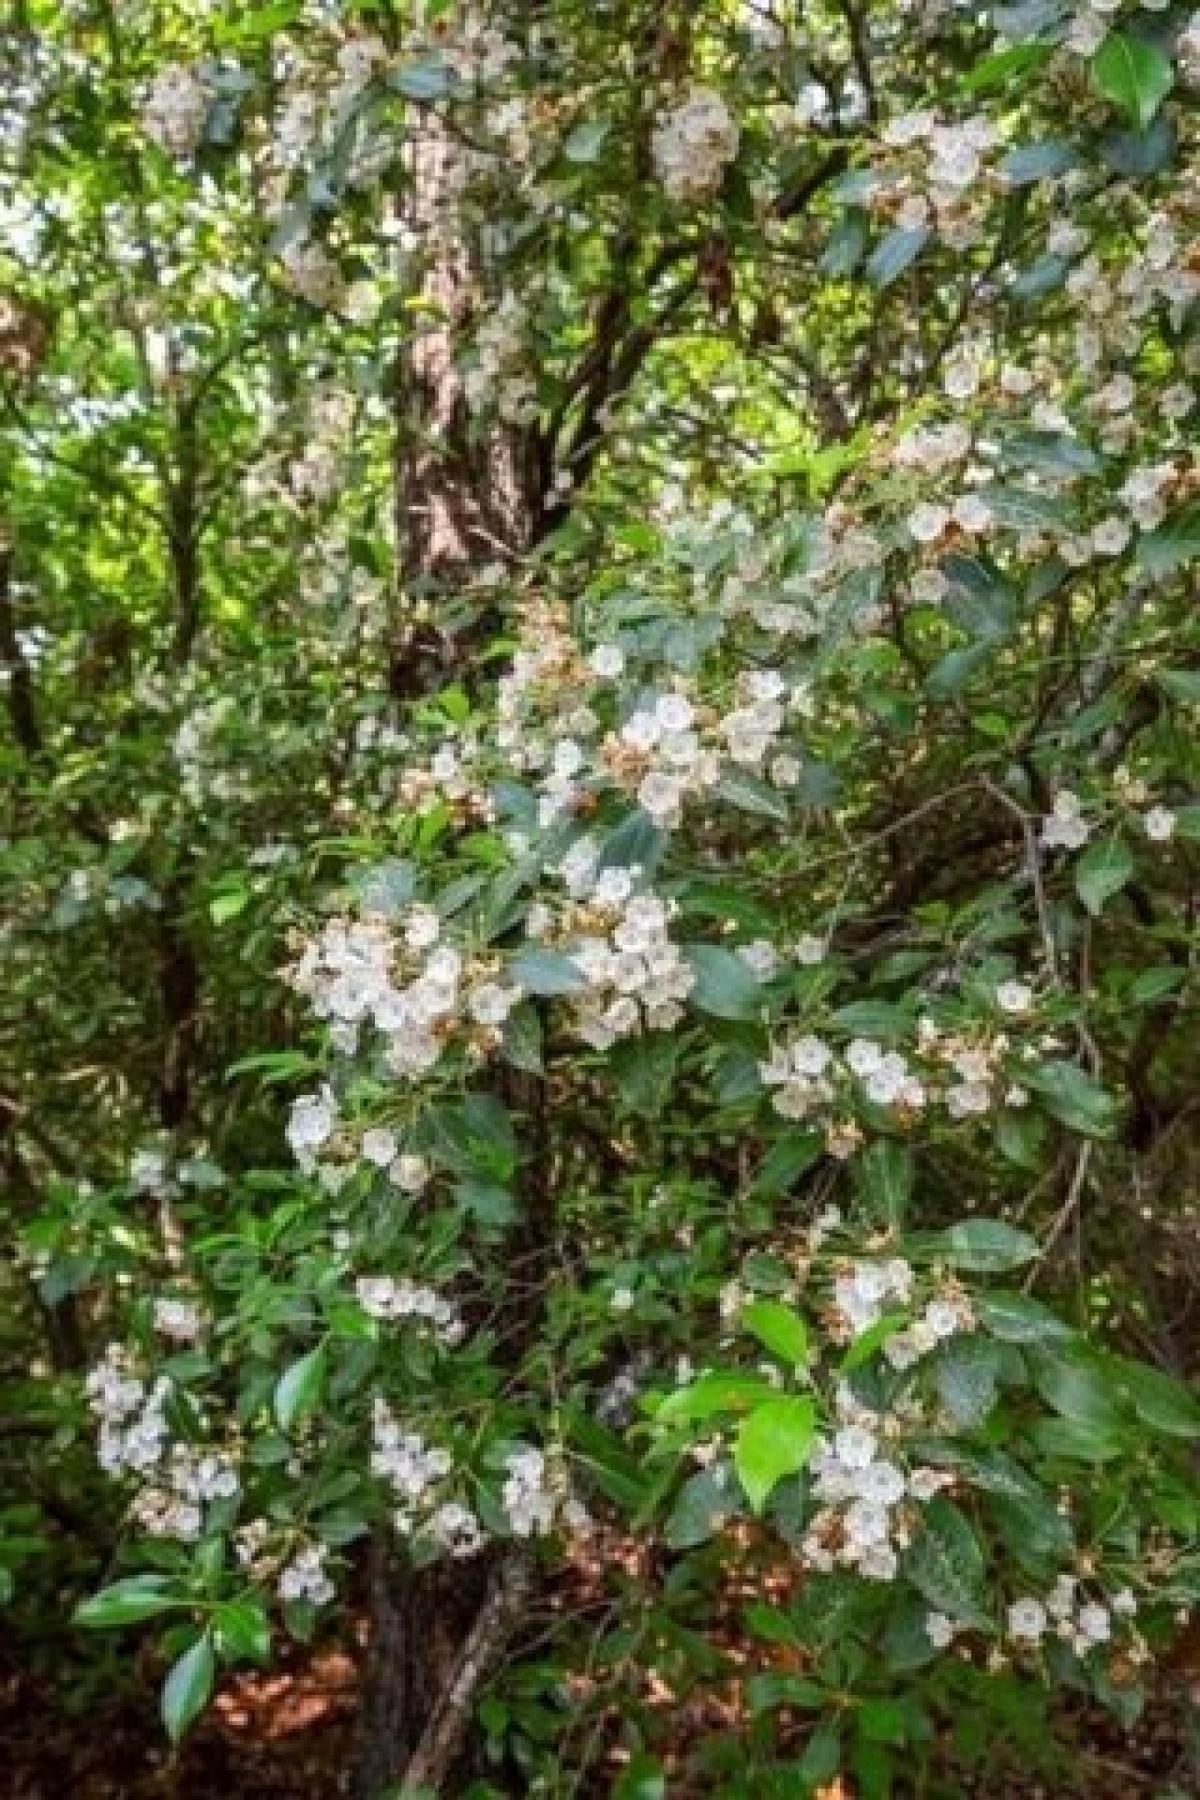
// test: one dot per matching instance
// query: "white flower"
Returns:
(855, 1446)
(607, 661)
(674, 712)
(1159, 824)
(1094, 1622)
(1027, 1619)
(927, 521)
(760, 957)
(1014, 997)
(410, 1173)
(378, 1146)
(961, 378)
(942, 1318)
(311, 1124)
(1065, 828)
(182, 1320)
(939, 1630)
(176, 108)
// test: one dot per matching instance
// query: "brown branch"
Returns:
(442, 1740)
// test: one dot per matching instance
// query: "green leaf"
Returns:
(188, 1687)
(989, 1245)
(1102, 871)
(1181, 684)
(641, 1779)
(886, 1172)
(243, 1630)
(244, 27)
(1016, 1319)
(584, 143)
(126, 1602)
(488, 1203)
(1161, 981)
(546, 972)
(822, 1754)
(429, 79)
(750, 794)
(1041, 161)
(775, 1440)
(883, 1721)
(1133, 74)
(636, 843)
(875, 1019)
(1166, 1405)
(1016, 63)
(1078, 1387)
(789, 1157)
(725, 986)
(1171, 546)
(299, 1388)
(1073, 1097)
(965, 1372)
(643, 1068)
(521, 1041)
(946, 1565)
(1078, 1440)
(718, 1391)
(895, 252)
(767, 1693)
(704, 1503)
(227, 905)
(779, 1330)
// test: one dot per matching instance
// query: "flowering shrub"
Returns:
(705, 894)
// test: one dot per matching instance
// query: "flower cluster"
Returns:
(935, 179)
(418, 991)
(130, 1411)
(172, 1505)
(618, 939)
(869, 1502)
(306, 1577)
(1083, 1624)
(383, 1297)
(962, 1072)
(693, 144)
(177, 1479)
(420, 1477)
(180, 1319)
(176, 109)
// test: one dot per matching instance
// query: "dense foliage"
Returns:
(601, 866)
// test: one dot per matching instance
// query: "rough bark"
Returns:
(466, 497)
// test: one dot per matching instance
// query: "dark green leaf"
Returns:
(1102, 871)
(298, 1389)
(725, 985)
(894, 253)
(126, 1602)
(188, 1687)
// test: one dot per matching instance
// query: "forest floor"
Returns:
(287, 1736)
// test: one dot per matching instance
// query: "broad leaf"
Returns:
(1134, 74)
(188, 1687)
(774, 1441)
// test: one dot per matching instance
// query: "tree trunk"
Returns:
(466, 497)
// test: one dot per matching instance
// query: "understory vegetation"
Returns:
(599, 877)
